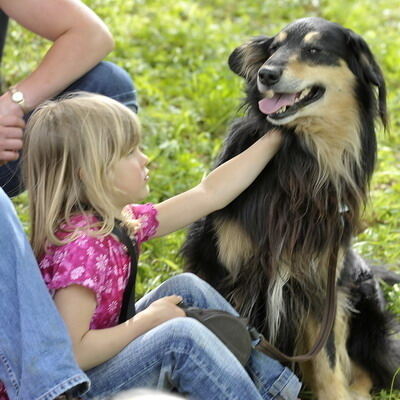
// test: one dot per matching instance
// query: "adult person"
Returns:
(73, 62)
(36, 359)
(33, 368)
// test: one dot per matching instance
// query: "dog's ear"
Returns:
(246, 59)
(364, 66)
(362, 62)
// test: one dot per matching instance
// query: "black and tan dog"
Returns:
(268, 251)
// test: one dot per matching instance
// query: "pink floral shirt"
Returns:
(100, 264)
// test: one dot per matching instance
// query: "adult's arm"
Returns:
(80, 40)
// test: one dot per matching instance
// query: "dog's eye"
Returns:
(273, 48)
(314, 50)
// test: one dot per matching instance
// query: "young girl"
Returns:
(83, 169)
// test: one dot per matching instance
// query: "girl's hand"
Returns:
(162, 310)
(93, 347)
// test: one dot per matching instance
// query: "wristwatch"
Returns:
(17, 97)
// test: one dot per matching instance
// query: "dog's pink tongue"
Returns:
(269, 106)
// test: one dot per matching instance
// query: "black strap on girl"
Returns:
(128, 301)
(3, 31)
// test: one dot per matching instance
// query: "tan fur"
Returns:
(341, 333)
(234, 245)
(361, 385)
(293, 58)
(275, 302)
(330, 127)
(311, 37)
(326, 382)
(282, 36)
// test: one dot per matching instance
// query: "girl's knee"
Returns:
(196, 292)
(186, 285)
(192, 288)
(185, 280)
(187, 333)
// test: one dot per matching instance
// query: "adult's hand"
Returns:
(8, 107)
(11, 131)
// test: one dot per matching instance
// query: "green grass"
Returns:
(177, 52)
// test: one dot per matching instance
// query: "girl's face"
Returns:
(131, 177)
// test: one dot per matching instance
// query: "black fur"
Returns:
(292, 216)
(371, 326)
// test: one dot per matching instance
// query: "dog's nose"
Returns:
(268, 76)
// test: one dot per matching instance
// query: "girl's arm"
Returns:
(76, 305)
(80, 40)
(220, 187)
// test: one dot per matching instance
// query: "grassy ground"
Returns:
(177, 51)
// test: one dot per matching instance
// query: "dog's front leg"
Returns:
(328, 375)
(361, 384)
(326, 383)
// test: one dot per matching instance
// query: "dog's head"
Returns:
(310, 68)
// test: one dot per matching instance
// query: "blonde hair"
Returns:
(71, 146)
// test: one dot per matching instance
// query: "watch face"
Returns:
(17, 97)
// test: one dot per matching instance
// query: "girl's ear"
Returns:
(363, 65)
(246, 59)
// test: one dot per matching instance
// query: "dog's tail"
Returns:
(372, 341)
(385, 366)
(383, 273)
(388, 360)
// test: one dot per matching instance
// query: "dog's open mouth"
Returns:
(281, 105)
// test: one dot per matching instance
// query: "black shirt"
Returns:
(3, 31)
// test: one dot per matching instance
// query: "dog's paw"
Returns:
(360, 396)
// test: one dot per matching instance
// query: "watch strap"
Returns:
(18, 98)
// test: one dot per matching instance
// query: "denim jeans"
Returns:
(106, 78)
(182, 354)
(36, 359)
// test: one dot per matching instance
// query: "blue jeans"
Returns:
(106, 78)
(36, 359)
(182, 354)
